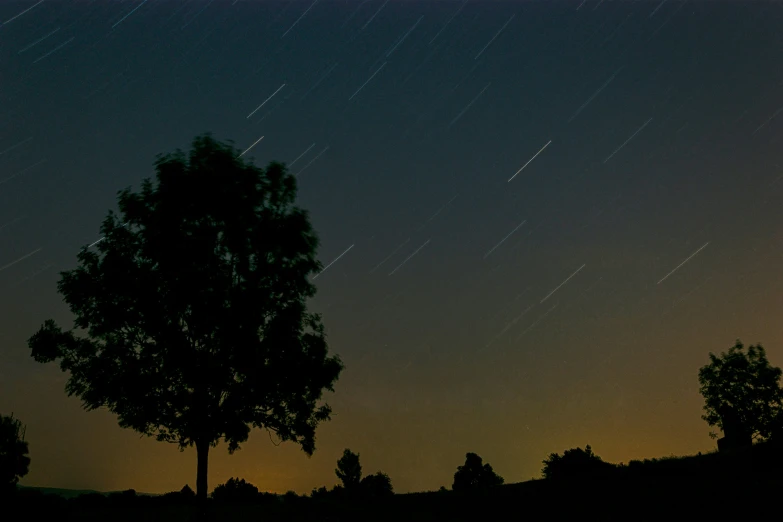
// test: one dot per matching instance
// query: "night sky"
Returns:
(538, 217)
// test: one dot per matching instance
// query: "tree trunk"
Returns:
(202, 451)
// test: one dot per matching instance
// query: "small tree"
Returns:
(349, 471)
(184, 494)
(14, 460)
(475, 475)
(377, 485)
(741, 391)
(187, 492)
(194, 309)
(575, 463)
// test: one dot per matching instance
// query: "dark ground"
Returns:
(741, 485)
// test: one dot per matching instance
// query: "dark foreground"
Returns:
(739, 485)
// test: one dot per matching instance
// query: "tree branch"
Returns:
(270, 438)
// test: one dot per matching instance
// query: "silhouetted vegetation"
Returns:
(576, 463)
(235, 490)
(349, 470)
(195, 330)
(185, 494)
(123, 498)
(377, 485)
(14, 459)
(319, 493)
(194, 308)
(475, 475)
(650, 489)
(742, 395)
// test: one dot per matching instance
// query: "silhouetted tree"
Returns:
(14, 459)
(321, 492)
(475, 475)
(377, 485)
(349, 471)
(291, 498)
(186, 493)
(235, 489)
(194, 308)
(742, 393)
(576, 463)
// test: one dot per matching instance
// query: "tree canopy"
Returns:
(575, 463)
(743, 386)
(475, 475)
(192, 308)
(14, 459)
(349, 470)
(235, 489)
(377, 485)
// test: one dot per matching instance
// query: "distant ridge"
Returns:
(72, 493)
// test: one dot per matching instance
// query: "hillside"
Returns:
(744, 482)
(73, 493)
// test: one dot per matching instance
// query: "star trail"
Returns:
(474, 169)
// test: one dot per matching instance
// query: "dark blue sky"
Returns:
(653, 198)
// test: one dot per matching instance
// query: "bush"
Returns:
(377, 485)
(577, 463)
(319, 493)
(235, 489)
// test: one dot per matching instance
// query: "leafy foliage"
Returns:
(14, 459)
(292, 498)
(319, 493)
(349, 470)
(475, 475)
(745, 384)
(185, 494)
(235, 489)
(194, 308)
(576, 463)
(377, 485)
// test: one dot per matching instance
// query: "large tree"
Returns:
(742, 387)
(192, 311)
(14, 460)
